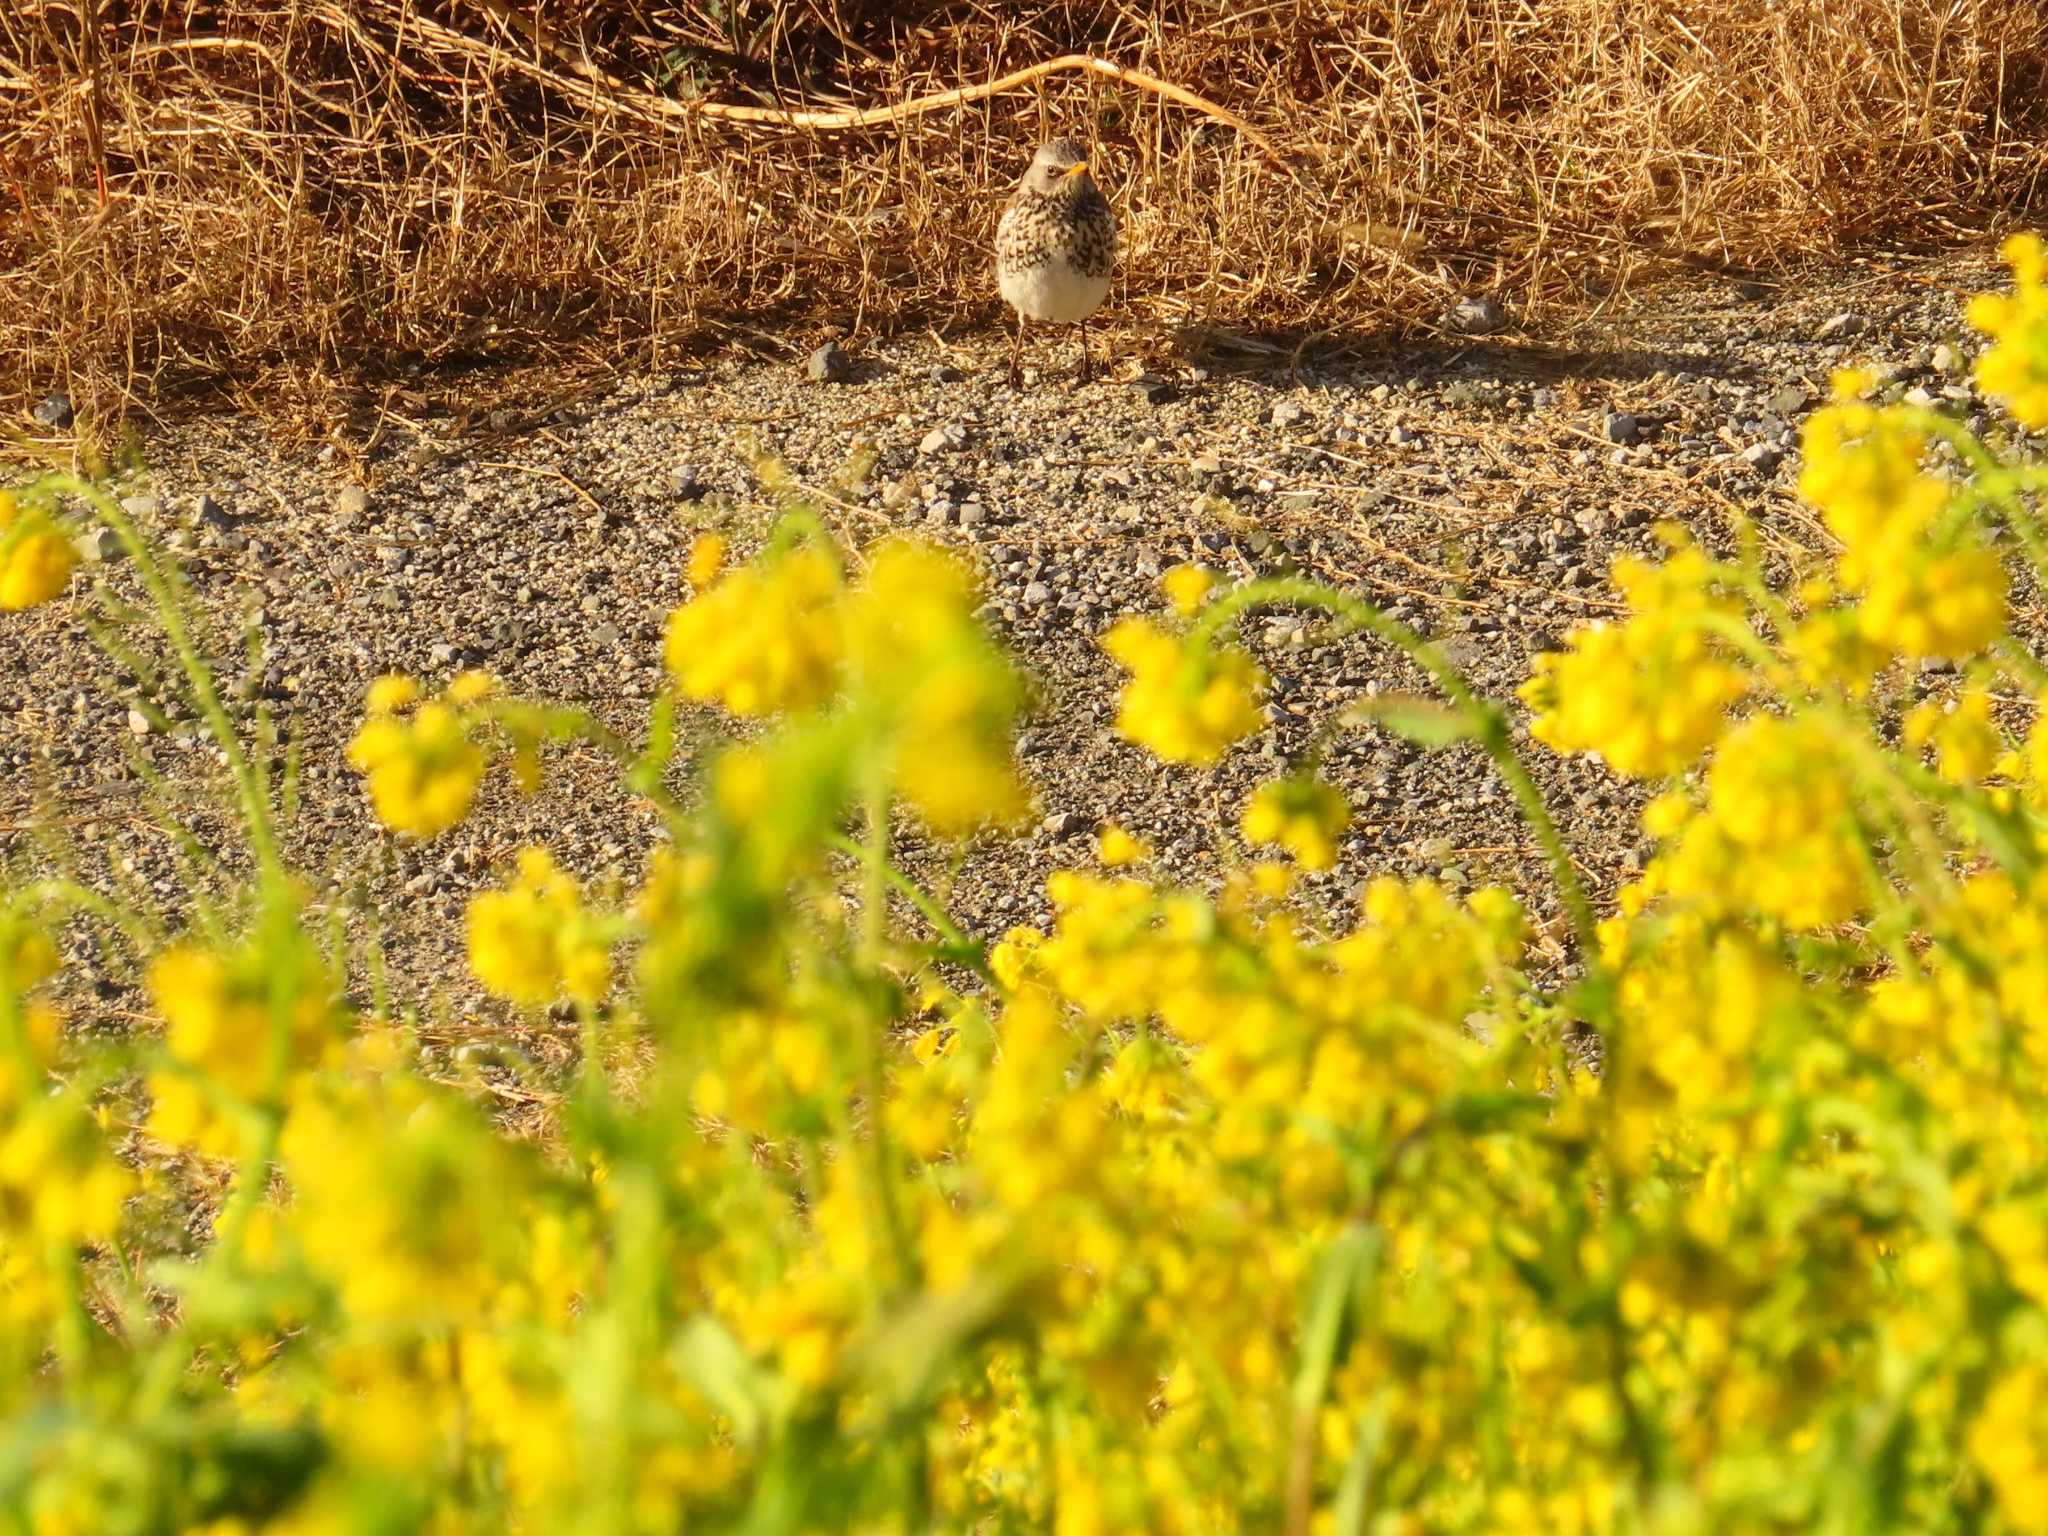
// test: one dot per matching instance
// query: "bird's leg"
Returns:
(1087, 363)
(1016, 344)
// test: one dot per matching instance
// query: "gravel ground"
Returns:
(1476, 488)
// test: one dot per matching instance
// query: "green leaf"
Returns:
(712, 1361)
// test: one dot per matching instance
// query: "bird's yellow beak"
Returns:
(1079, 170)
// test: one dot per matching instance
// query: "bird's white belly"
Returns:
(1053, 291)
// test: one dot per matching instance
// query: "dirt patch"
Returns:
(1479, 492)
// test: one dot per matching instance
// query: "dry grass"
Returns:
(285, 199)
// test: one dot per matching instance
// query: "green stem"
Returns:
(967, 949)
(873, 955)
(249, 783)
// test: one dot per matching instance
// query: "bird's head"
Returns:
(1060, 166)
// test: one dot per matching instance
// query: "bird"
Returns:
(1055, 246)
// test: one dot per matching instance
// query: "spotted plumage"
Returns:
(1055, 246)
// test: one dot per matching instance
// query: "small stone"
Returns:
(100, 544)
(139, 723)
(945, 373)
(1843, 326)
(1064, 824)
(53, 411)
(212, 514)
(1401, 437)
(829, 365)
(1763, 457)
(1038, 594)
(1287, 413)
(139, 506)
(972, 514)
(939, 439)
(442, 655)
(1788, 400)
(1946, 360)
(1477, 316)
(1919, 396)
(1620, 427)
(352, 501)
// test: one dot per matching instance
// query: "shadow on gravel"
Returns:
(1334, 359)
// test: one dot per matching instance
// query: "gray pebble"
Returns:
(53, 411)
(829, 365)
(1843, 326)
(1620, 427)
(98, 544)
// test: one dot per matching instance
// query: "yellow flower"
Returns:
(58, 1178)
(2007, 1441)
(35, 557)
(391, 694)
(534, 940)
(1927, 590)
(424, 768)
(1186, 703)
(1936, 605)
(1780, 835)
(943, 696)
(766, 639)
(1116, 848)
(1648, 695)
(230, 1037)
(2016, 368)
(707, 559)
(1966, 742)
(1304, 816)
(1187, 587)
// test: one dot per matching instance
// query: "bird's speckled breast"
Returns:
(1076, 228)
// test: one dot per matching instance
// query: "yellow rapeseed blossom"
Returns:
(35, 557)
(1304, 816)
(706, 560)
(1649, 694)
(232, 1038)
(1926, 590)
(424, 767)
(2015, 369)
(1965, 739)
(2009, 1440)
(946, 699)
(1117, 847)
(59, 1182)
(1779, 836)
(1184, 702)
(765, 639)
(1187, 587)
(534, 940)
